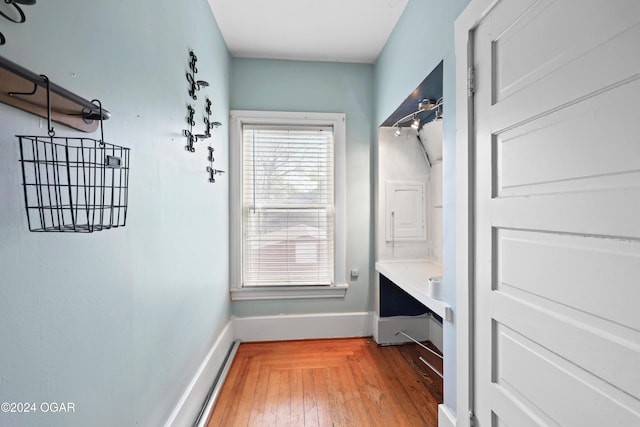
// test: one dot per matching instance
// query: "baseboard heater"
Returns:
(212, 396)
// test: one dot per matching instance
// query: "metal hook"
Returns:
(93, 101)
(33, 92)
(51, 131)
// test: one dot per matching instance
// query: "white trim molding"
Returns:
(337, 121)
(446, 417)
(421, 328)
(188, 407)
(303, 326)
(288, 292)
(464, 29)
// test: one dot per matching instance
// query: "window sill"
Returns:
(288, 292)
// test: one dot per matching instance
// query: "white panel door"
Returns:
(557, 220)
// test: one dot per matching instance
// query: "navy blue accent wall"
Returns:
(430, 88)
(396, 302)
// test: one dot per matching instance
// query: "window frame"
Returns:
(238, 118)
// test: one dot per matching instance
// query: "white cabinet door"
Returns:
(557, 214)
(405, 211)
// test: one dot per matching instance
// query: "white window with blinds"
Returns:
(287, 209)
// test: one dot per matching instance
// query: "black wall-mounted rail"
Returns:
(26, 90)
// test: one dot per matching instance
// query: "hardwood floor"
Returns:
(337, 382)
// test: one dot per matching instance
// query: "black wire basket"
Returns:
(74, 184)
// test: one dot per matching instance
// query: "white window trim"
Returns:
(237, 119)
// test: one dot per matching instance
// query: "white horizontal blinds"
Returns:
(288, 205)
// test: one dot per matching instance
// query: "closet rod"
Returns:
(431, 366)
(93, 110)
(418, 342)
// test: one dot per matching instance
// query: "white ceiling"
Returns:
(308, 30)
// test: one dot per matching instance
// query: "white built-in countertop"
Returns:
(412, 276)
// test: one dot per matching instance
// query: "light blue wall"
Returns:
(117, 321)
(423, 37)
(258, 84)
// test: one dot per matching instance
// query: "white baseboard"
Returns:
(303, 326)
(416, 326)
(446, 417)
(189, 405)
(421, 328)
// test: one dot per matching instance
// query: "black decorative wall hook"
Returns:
(210, 169)
(10, 10)
(192, 62)
(191, 139)
(194, 85)
(192, 112)
(207, 120)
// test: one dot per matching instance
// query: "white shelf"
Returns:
(412, 276)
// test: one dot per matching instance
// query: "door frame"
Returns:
(464, 27)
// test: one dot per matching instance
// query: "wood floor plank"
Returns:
(260, 398)
(322, 397)
(352, 397)
(318, 383)
(270, 416)
(283, 413)
(247, 393)
(340, 413)
(310, 402)
(297, 398)
(370, 392)
(349, 403)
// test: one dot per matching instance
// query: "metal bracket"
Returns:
(28, 91)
